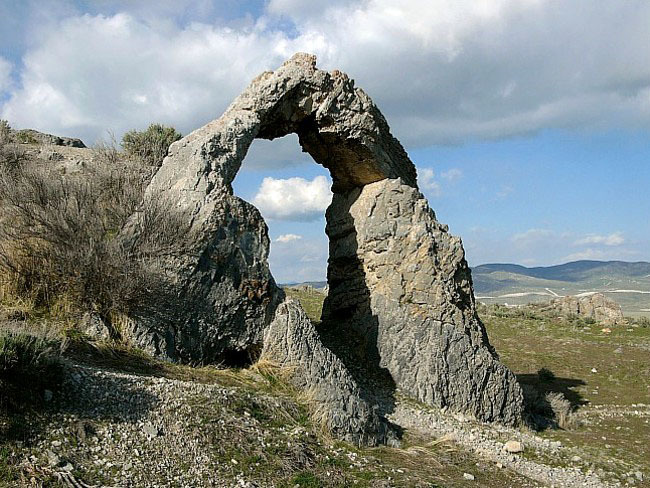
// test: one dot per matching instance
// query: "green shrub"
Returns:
(12, 155)
(562, 410)
(29, 363)
(643, 322)
(5, 131)
(24, 137)
(151, 145)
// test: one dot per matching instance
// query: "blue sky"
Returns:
(528, 120)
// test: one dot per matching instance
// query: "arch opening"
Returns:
(292, 193)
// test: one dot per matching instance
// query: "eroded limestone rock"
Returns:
(400, 291)
(31, 136)
(331, 392)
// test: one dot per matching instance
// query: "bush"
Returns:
(643, 322)
(59, 238)
(12, 156)
(151, 145)
(5, 131)
(29, 364)
(562, 410)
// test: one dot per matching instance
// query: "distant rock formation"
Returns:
(400, 310)
(592, 305)
(31, 136)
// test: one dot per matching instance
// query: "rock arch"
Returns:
(399, 283)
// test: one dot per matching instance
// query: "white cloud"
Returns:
(614, 239)
(288, 238)
(588, 254)
(427, 181)
(278, 153)
(5, 75)
(90, 74)
(452, 174)
(504, 192)
(602, 255)
(542, 246)
(458, 70)
(468, 69)
(295, 199)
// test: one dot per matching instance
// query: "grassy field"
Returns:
(606, 375)
(630, 291)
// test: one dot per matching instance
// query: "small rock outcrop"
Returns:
(400, 311)
(592, 305)
(31, 136)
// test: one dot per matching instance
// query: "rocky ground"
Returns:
(154, 425)
(121, 419)
(110, 428)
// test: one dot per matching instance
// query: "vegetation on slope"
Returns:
(59, 250)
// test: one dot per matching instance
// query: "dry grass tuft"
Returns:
(562, 409)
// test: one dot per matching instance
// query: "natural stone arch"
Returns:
(398, 281)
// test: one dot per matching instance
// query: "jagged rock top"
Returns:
(336, 123)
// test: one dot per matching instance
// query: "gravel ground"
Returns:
(488, 442)
(112, 429)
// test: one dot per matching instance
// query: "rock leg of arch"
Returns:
(399, 283)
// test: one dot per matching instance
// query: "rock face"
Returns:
(593, 305)
(334, 395)
(400, 281)
(399, 287)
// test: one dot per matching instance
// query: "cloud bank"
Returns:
(442, 71)
(5, 75)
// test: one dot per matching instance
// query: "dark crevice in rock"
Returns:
(240, 358)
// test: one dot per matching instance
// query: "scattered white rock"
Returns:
(150, 430)
(513, 447)
(468, 476)
(52, 458)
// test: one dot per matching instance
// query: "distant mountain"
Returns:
(628, 283)
(574, 271)
(315, 284)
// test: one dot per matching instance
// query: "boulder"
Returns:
(591, 305)
(400, 310)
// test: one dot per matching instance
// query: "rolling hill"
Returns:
(627, 283)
